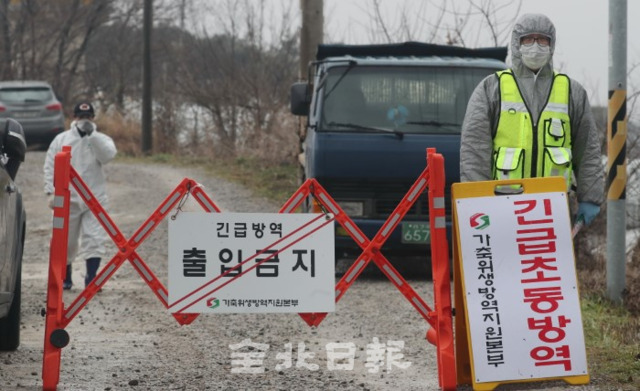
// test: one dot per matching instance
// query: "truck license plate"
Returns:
(415, 233)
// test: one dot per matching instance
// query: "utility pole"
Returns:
(616, 150)
(147, 114)
(311, 32)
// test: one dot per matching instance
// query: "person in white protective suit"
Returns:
(90, 150)
(529, 121)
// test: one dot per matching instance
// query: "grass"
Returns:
(612, 336)
(612, 333)
(276, 182)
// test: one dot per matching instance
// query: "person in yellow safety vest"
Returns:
(530, 121)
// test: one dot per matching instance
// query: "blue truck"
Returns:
(372, 110)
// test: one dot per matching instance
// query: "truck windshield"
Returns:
(404, 99)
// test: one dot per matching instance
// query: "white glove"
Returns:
(50, 198)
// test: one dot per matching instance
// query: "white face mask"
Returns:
(535, 56)
(85, 125)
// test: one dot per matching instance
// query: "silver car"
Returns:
(35, 106)
(13, 217)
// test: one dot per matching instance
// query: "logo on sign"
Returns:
(479, 221)
(213, 302)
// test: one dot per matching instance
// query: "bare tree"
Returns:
(73, 40)
(7, 71)
(112, 79)
(497, 18)
(397, 21)
(468, 23)
(241, 74)
(222, 68)
(48, 40)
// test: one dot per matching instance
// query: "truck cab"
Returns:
(372, 111)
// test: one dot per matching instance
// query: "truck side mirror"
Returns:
(300, 99)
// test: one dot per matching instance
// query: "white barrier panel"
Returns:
(251, 263)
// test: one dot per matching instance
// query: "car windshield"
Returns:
(20, 95)
(403, 99)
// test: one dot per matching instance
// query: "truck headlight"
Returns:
(353, 208)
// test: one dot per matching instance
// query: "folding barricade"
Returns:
(58, 317)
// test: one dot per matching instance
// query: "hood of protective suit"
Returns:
(531, 24)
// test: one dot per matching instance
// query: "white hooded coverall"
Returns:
(88, 155)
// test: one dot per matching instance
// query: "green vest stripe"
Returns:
(522, 151)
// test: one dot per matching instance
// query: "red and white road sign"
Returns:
(251, 263)
(520, 287)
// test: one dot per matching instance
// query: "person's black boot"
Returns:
(67, 284)
(92, 269)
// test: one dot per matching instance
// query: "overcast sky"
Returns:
(582, 49)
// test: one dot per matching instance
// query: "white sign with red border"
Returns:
(520, 287)
(251, 263)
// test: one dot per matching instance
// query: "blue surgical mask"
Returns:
(535, 56)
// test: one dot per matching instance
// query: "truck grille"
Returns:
(383, 208)
(382, 198)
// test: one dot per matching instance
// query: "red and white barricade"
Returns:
(432, 180)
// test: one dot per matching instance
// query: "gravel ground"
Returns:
(125, 339)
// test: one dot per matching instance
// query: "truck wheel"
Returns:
(10, 325)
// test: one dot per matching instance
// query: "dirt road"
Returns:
(125, 339)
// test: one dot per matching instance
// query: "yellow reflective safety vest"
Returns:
(524, 149)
